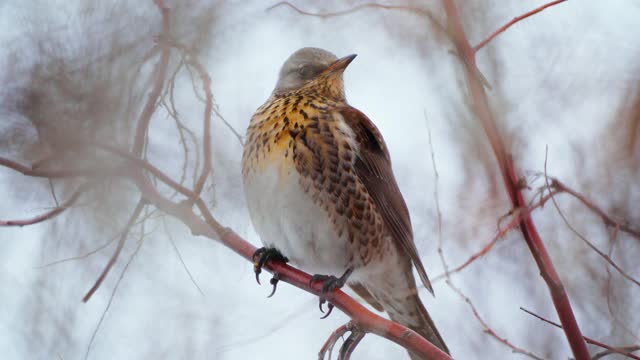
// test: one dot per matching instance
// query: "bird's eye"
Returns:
(305, 71)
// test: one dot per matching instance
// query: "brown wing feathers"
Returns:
(373, 167)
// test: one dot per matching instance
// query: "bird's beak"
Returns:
(340, 64)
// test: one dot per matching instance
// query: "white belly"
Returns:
(285, 217)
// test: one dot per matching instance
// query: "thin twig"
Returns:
(508, 171)
(52, 189)
(96, 250)
(175, 249)
(587, 339)
(608, 220)
(512, 22)
(582, 237)
(437, 201)
(488, 329)
(485, 249)
(447, 274)
(160, 74)
(113, 294)
(51, 213)
(114, 257)
(412, 9)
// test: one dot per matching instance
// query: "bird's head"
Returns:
(313, 68)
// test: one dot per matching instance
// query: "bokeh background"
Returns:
(567, 79)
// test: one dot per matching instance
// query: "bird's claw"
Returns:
(348, 345)
(261, 256)
(329, 284)
(274, 281)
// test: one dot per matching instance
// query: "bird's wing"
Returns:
(373, 167)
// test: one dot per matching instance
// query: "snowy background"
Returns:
(565, 78)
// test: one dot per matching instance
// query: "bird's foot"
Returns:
(260, 257)
(347, 346)
(329, 284)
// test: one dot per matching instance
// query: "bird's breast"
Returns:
(285, 213)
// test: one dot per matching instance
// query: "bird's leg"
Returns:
(329, 283)
(261, 256)
(347, 346)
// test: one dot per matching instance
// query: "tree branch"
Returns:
(512, 22)
(589, 340)
(361, 317)
(49, 214)
(114, 257)
(509, 175)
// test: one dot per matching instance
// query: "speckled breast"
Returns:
(283, 210)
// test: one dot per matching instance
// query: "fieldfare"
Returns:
(321, 192)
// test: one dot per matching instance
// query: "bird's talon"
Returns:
(261, 256)
(329, 284)
(274, 281)
(329, 310)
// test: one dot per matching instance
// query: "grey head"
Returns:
(306, 64)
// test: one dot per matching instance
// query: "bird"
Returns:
(322, 195)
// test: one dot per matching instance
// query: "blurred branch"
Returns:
(512, 22)
(114, 257)
(373, 5)
(487, 329)
(51, 213)
(619, 350)
(156, 90)
(199, 219)
(515, 221)
(626, 349)
(508, 171)
(447, 274)
(582, 237)
(113, 292)
(608, 220)
(610, 291)
(99, 171)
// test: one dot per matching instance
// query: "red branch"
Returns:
(485, 249)
(361, 316)
(510, 178)
(512, 22)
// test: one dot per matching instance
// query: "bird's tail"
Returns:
(411, 313)
(397, 294)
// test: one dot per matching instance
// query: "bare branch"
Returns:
(160, 71)
(114, 257)
(51, 213)
(512, 22)
(113, 294)
(620, 350)
(608, 220)
(488, 329)
(480, 106)
(447, 274)
(582, 237)
(373, 5)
